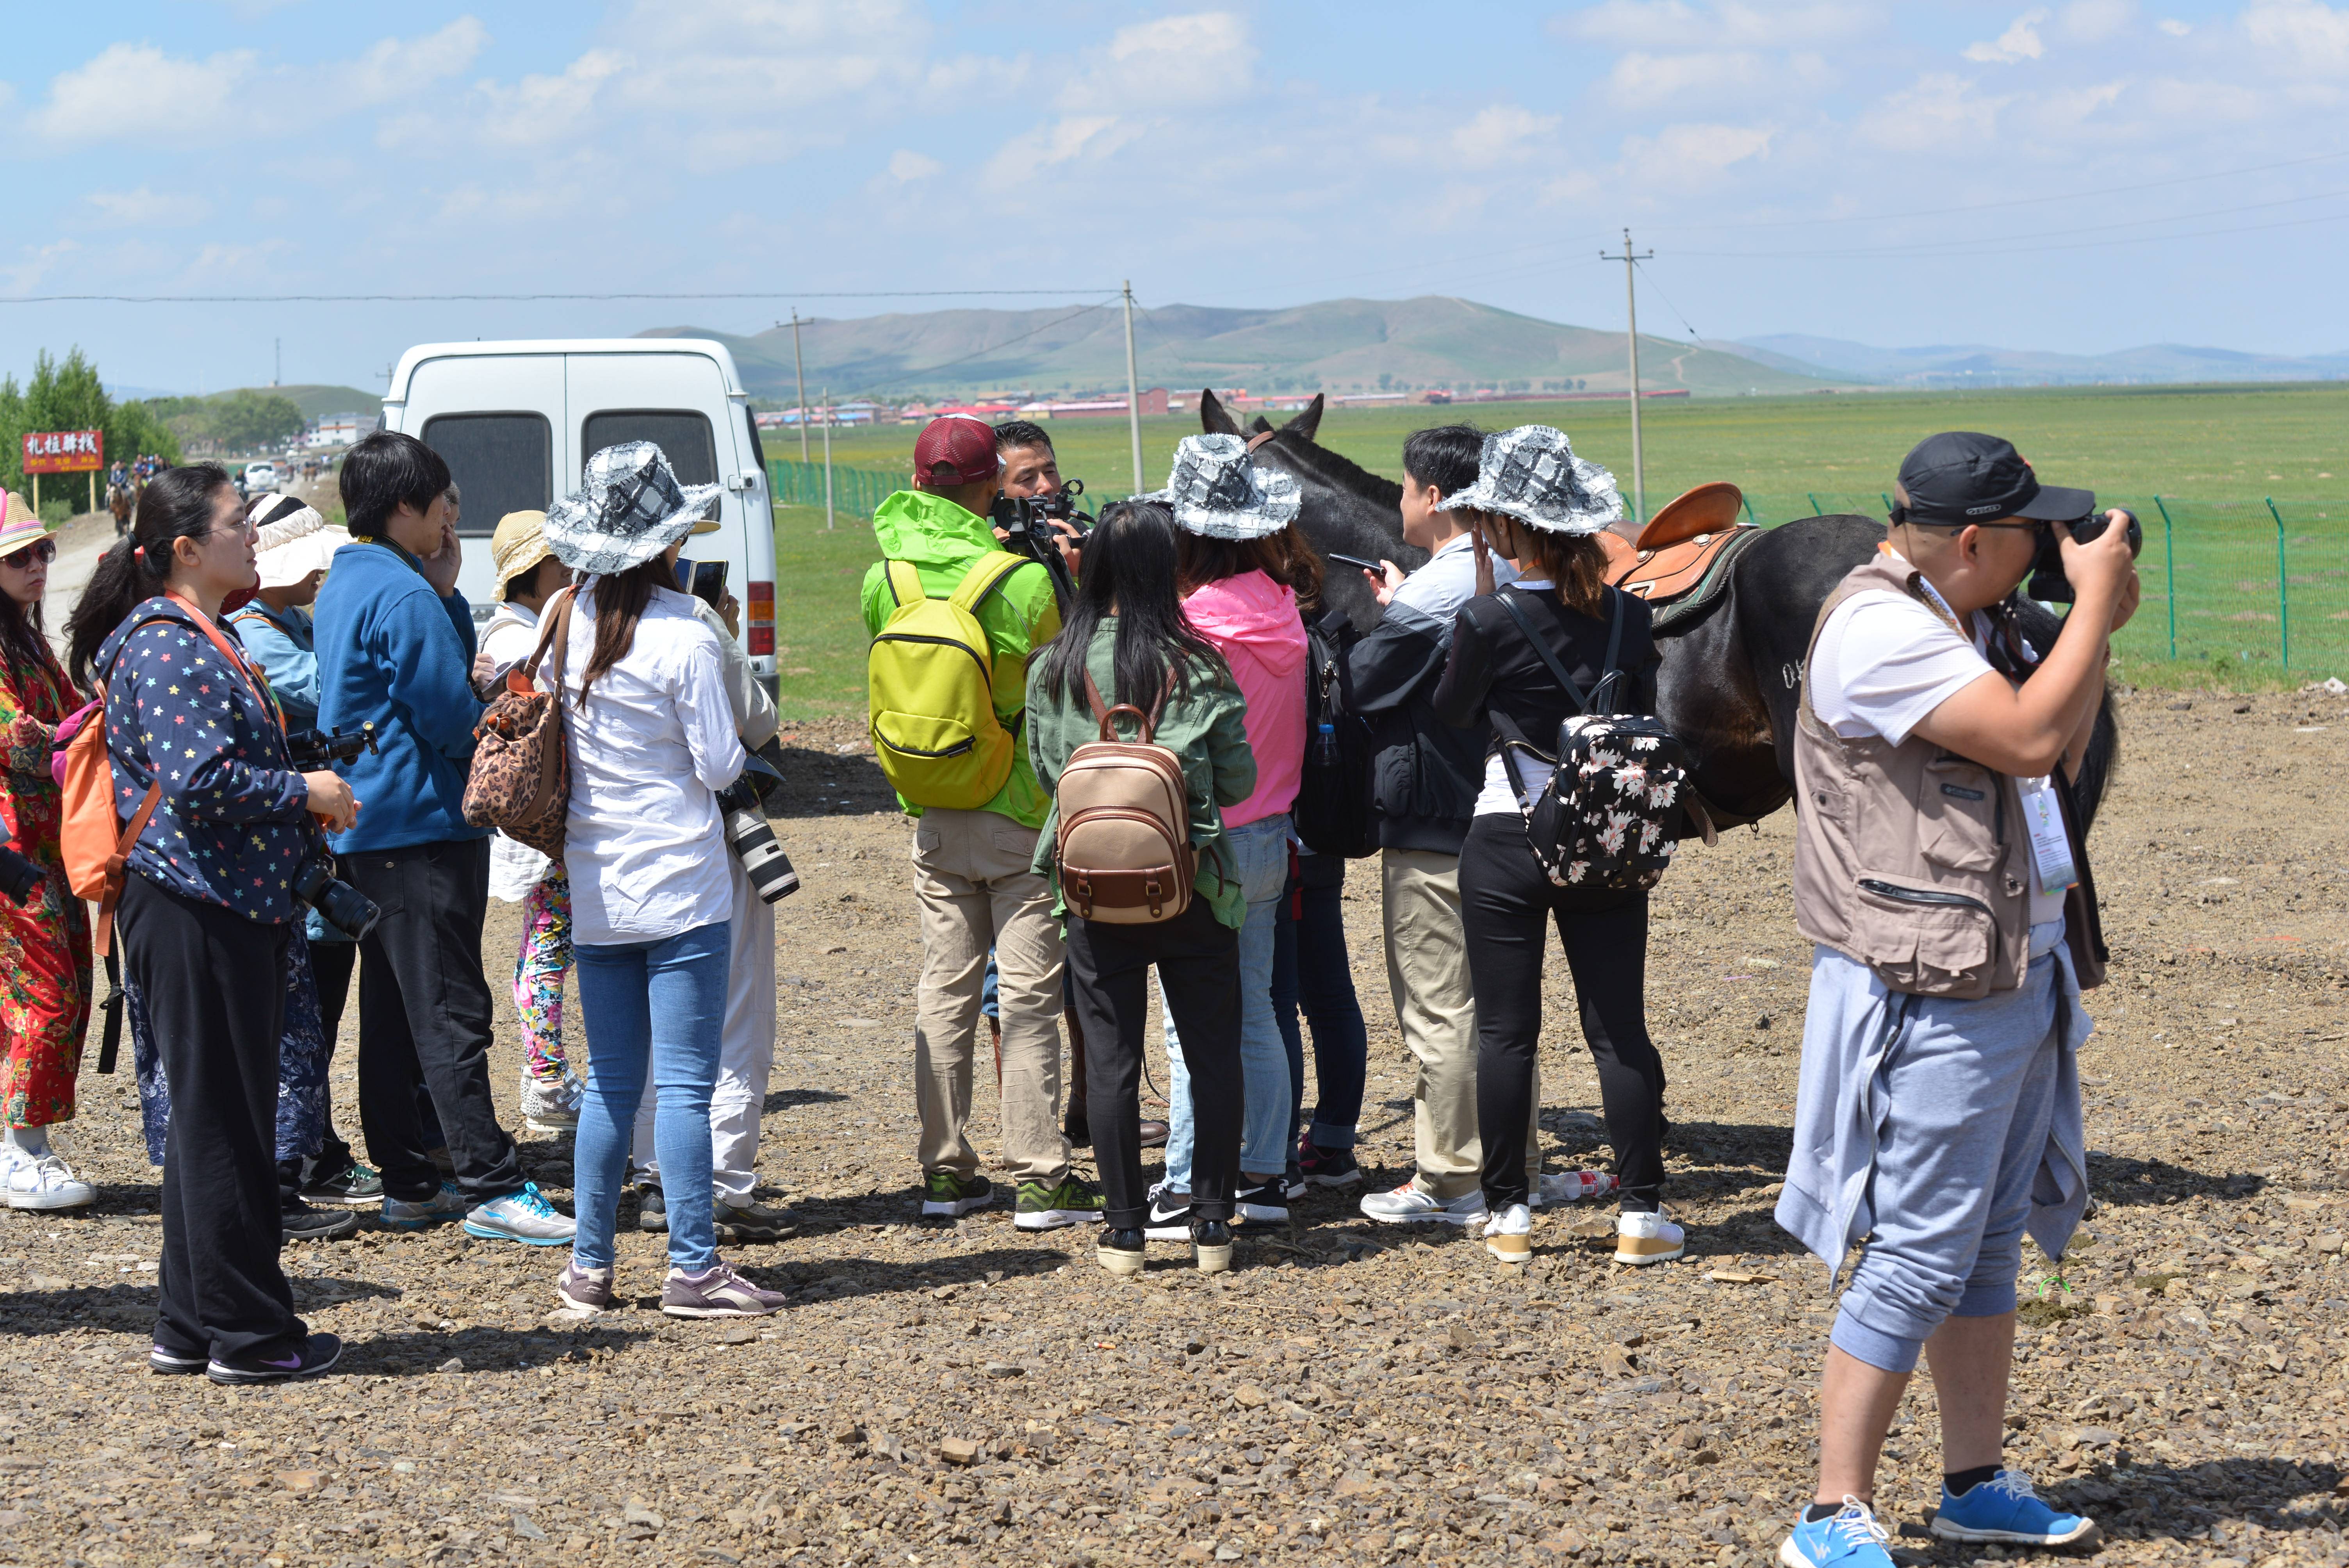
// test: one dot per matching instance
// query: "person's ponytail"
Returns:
(177, 504)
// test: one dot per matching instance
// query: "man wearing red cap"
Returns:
(971, 876)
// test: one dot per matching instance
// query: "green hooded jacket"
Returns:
(941, 541)
(1203, 726)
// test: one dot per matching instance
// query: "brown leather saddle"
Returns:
(1681, 558)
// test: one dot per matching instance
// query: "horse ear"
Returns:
(1308, 423)
(1215, 419)
(1259, 426)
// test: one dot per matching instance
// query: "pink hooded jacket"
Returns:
(1254, 623)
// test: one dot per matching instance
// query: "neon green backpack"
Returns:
(931, 681)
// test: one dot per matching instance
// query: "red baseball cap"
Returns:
(955, 449)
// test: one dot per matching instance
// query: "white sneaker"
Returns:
(1572, 1187)
(46, 1182)
(1411, 1203)
(1509, 1234)
(1648, 1239)
(551, 1105)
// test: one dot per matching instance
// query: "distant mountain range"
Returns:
(1974, 365)
(1335, 346)
(313, 400)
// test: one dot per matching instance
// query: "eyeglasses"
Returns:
(42, 550)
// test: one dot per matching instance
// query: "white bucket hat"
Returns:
(627, 508)
(1531, 473)
(1218, 491)
(295, 541)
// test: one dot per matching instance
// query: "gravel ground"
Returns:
(1353, 1393)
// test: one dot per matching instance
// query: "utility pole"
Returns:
(277, 362)
(827, 457)
(1132, 389)
(1630, 260)
(799, 366)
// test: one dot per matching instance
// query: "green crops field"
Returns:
(2215, 455)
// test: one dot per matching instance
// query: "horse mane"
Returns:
(1335, 469)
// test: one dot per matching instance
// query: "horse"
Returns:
(1732, 672)
(119, 501)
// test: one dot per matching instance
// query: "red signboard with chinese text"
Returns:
(63, 451)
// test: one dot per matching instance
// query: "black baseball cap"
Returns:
(1962, 476)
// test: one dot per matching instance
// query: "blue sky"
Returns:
(1927, 171)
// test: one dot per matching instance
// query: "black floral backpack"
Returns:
(1606, 817)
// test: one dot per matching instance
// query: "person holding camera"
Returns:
(980, 809)
(205, 919)
(1940, 876)
(650, 742)
(44, 938)
(396, 648)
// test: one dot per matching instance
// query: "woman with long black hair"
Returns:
(198, 752)
(1126, 638)
(1537, 504)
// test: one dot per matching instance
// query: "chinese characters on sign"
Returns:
(63, 451)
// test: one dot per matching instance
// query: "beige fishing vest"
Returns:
(1909, 859)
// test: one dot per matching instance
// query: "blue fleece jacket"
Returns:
(393, 653)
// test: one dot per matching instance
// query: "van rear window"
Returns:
(682, 433)
(501, 463)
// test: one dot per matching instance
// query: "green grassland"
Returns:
(2215, 454)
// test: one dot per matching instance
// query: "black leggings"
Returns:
(1504, 902)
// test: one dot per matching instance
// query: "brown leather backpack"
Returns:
(1124, 843)
(520, 777)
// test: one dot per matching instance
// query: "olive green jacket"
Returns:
(1202, 725)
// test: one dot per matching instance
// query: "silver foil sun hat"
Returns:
(627, 508)
(1531, 473)
(1218, 491)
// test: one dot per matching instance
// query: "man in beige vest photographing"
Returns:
(1939, 1113)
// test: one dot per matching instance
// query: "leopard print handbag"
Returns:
(520, 777)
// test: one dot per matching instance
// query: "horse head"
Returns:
(1346, 508)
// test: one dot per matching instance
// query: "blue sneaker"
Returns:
(2004, 1508)
(414, 1215)
(524, 1216)
(1849, 1539)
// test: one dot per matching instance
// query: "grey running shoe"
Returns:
(716, 1292)
(525, 1216)
(652, 1210)
(751, 1221)
(415, 1214)
(584, 1290)
(1413, 1204)
(550, 1104)
(300, 1222)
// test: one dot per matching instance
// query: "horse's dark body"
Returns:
(1730, 676)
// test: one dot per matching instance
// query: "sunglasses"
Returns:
(41, 550)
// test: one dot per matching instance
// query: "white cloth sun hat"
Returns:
(295, 541)
(1218, 491)
(1531, 473)
(627, 508)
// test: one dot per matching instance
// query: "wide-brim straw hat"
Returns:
(518, 545)
(20, 525)
(295, 541)
(1218, 491)
(627, 509)
(1531, 474)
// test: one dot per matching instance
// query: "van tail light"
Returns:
(762, 618)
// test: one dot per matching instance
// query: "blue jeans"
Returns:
(657, 1006)
(1259, 856)
(1310, 967)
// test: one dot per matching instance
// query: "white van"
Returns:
(516, 423)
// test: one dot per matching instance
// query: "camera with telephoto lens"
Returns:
(339, 904)
(2048, 584)
(313, 751)
(20, 876)
(1028, 519)
(750, 837)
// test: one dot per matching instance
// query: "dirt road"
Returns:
(1353, 1394)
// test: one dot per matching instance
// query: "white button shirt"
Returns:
(654, 744)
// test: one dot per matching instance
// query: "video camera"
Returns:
(2048, 584)
(339, 904)
(1029, 520)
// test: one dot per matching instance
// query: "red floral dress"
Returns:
(45, 964)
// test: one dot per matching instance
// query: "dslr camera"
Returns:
(2048, 584)
(1028, 520)
(744, 822)
(339, 904)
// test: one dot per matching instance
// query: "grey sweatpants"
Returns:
(1966, 1091)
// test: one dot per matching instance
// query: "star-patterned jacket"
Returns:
(230, 827)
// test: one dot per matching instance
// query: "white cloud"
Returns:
(1206, 57)
(1641, 79)
(2020, 41)
(1727, 24)
(2312, 36)
(1501, 134)
(906, 166)
(1940, 113)
(394, 67)
(1691, 156)
(2174, 27)
(134, 92)
(146, 208)
(2094, 21)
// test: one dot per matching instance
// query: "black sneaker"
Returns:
(652, 1214)
(353, 1187)
(1292, 1182)
(303, 1224)
(165, 1363)
(1266, 1203)
(1327, 1167)
(1120, 1251)
(1170, 1216)
(306, 1357)
(1211, 1246)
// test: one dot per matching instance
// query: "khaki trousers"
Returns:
(975, 891)
(1427, 971)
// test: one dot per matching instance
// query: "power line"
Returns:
(519, 298)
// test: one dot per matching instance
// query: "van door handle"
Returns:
(739, 481)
